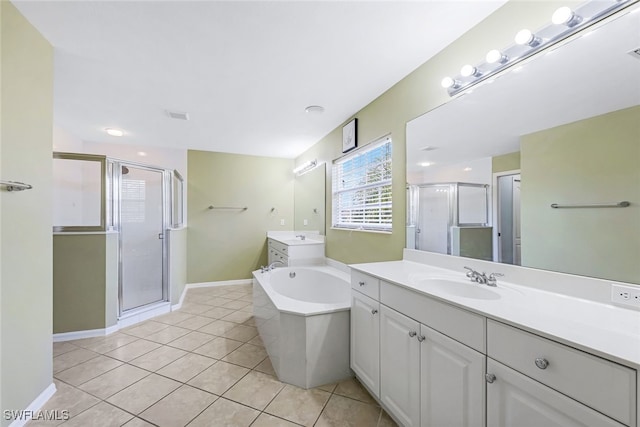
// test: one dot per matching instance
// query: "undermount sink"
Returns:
(461, 288)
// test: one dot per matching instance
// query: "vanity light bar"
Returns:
(305, 167)
(565, 22)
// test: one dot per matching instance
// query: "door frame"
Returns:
(496, 211)
(117, 225)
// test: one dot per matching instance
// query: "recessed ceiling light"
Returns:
(466, 169)
(142, 153)
(114, 132)
(425, 164)
(314, 109)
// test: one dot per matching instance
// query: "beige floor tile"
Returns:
(173, 318)
(246, 355)
(236, 304)
(218, 327)
(299, 405)
(328, 387)
(352, 388)
(191, 341)
(143, 329)
(146, 392)
(238, 317)
(219, 377)
(342, 411)
(256, 341)
(167, 334)
(218, 312)
(158, 358)
(186, 367)
(251, 321)
(266, 420)
(267, 368)
(247, 308)
(72, 358)
(385, 420)
(179, 407)
(241, 333)
(247, 298)
(219, 301)
(131, 351)
(106, 344)
(113, 381)
(194, 308)
(255, 389)
(225, 413)
(63, 347)
(218, 347)
(196, 322)
(101, 415)
(85, 371)
(235, 295)
(138, 422)
(66, 398)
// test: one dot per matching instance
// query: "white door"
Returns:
(516, 400)
(365, 340)
(452, 383)
(400, 366)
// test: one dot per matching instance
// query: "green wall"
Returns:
(506, 162)
(590, 161)
(25, 222)
(414, 95)
(230, 244)
(178, 263)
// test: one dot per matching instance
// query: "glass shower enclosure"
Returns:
(139, 202)
(449, 218)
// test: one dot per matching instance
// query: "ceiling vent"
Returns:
(635, 53)
(178, 115)
(428, 148)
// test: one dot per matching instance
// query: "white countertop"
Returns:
(290, 238)
(600, 329)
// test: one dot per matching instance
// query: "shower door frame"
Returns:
(115, 168)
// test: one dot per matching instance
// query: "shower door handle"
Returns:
(160, 236)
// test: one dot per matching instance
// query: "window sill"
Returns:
(359, 230)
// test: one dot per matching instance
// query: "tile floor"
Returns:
(203, 365)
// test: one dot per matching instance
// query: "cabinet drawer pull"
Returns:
(421, 338)
(374, 311)
(412, 334)
(490, 378)
(542, 363)
(361, 283)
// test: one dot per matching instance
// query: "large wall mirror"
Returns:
(309, 200)
(557, 144)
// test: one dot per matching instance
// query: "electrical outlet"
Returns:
(282, 221)
(625, 295)
(305, 222)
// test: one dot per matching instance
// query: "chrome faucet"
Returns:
(482, 278)
(301, 236)
(271, 266)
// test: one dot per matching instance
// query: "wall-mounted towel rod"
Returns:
(623, 204)
(16, 186)
(244, 208)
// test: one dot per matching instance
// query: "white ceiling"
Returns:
(243, 70)
(589, 76)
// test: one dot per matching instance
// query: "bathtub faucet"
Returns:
(272, 266)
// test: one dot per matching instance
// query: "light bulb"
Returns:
(565, 16)
(526, 37)
(469, 70)
(448, 82)
(495, 55)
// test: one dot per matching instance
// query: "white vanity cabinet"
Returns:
(425, 378)
(548, 383)
(365, 340)
(292, 250)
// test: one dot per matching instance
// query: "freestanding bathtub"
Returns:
(302, 314)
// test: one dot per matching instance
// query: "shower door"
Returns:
(142, 225)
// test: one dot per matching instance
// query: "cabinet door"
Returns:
(365, 341)
(400, 366)
(452, 383)
(516, 400)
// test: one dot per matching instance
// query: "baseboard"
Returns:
(145, 314)
(220, 283)
(90, 333)
(32, 410)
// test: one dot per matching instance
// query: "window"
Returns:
(362, 188)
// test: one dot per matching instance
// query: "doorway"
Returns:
(508, 210)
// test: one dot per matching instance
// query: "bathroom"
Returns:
(228, 245)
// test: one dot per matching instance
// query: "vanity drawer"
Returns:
(456, 323)
(365, 284)
(281, 247)
(601, 384)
